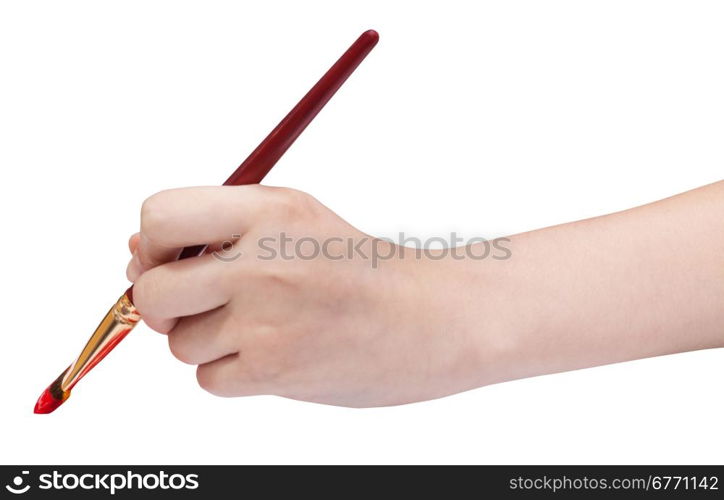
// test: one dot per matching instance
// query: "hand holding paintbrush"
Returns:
(123, 316)
(351, 320)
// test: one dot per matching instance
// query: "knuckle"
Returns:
(154, 211)
(163, 326)
(145, 292)
(180, 350)
(291, 204)
(208, 380)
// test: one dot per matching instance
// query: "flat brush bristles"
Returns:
(52, 397)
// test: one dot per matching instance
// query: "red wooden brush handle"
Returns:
(265, 156)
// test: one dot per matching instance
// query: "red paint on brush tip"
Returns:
(47, 403)
(52, 397)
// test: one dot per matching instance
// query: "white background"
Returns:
(488, 118)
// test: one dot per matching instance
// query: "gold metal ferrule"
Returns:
(116, 324)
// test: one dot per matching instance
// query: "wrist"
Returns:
(471, 303)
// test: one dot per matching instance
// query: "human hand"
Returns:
(330, 329)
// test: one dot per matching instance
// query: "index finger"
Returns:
(183, 217)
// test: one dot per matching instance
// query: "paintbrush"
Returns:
(123, 316)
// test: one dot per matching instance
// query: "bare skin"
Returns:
(644, 282)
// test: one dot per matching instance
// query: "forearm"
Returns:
(643, 282)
